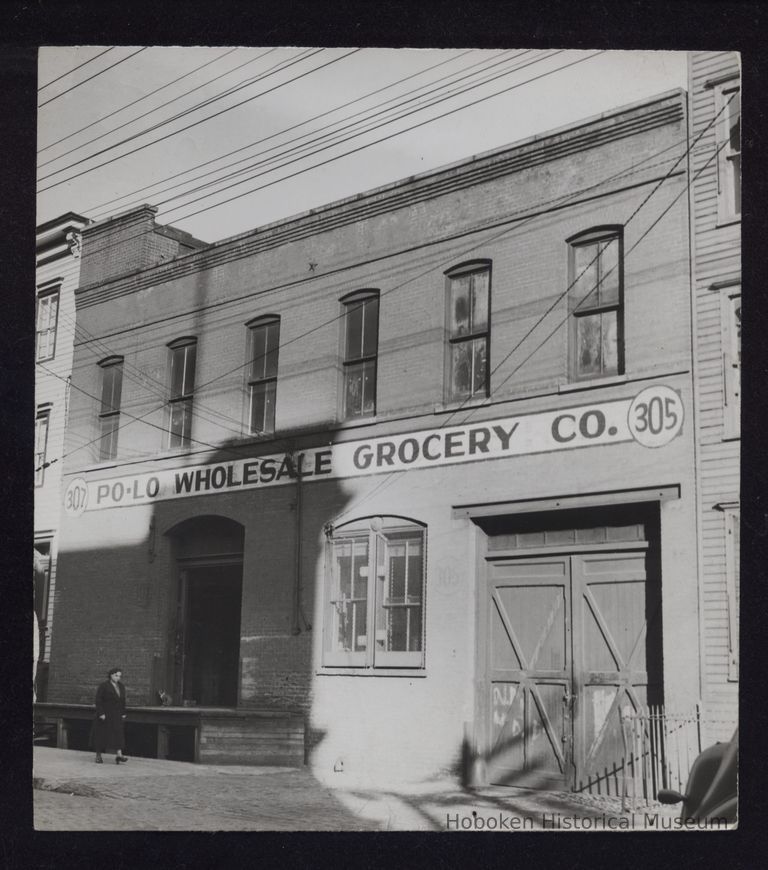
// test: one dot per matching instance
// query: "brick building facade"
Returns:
(417, 465)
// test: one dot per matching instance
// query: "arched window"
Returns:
(182, 362)
(469, 330)
(263, 349)
(361, 349)
(109, 412)
(374, 610)
(595, 303)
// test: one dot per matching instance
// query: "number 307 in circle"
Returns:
(76, 497)
(655, 416)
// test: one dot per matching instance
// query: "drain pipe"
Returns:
(298, 610)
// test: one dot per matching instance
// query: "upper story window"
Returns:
(263, 348)
(42, 421)
(183, 357)
(374, 611)
(731, 338)
(595, 303)
(728, 139)
(468, 290)
(109, 412)
(361, 348)
(47, 320)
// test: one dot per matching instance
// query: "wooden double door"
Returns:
(570, 640)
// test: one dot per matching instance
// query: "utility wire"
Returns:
(189, 126)
(99, 209)
(90, 78)
(390, 477)
(74, 69)
(427, 271)
(359, 148)
(232, 89)
(382, 139)
(99, 206)
(138, 100)
(377, 122)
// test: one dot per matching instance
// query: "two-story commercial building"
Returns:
(416, 467)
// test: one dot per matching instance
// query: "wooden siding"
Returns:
(716, 260)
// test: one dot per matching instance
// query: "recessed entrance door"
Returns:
(530, 673)
(211, 634)
(571, 642)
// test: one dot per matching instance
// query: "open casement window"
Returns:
(731, 338)
(263, 348)
(728, 107)
(468, 331)
(361, 348)
(183, 357)
(375, 603)
(42, 421)
(109, 413)
(595, 305)
(732, 588)
(47, 320)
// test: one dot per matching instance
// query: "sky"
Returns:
(289, 117)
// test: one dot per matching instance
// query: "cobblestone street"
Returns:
(72, 793)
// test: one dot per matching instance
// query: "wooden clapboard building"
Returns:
(715, 128)
(399, 483)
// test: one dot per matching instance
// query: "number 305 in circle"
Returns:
(655, 416)
(76, 497)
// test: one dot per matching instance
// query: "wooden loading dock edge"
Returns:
(221, 735)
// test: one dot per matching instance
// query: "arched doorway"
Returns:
(209, 561)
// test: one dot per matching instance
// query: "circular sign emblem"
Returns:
(76, 497)
(655, 416)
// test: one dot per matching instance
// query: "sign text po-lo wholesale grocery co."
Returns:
(653, 418)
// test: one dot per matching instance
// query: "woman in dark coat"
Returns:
(110, 714)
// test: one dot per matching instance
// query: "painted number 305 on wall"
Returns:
(655, 416)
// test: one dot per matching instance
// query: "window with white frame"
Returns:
(183, 358)
(595, 304)
(42, 421)
(375, 597)
(361, 349)
(728, 141)
(731, 338)
(468, 289)
(47, 320)
(732, 538)
(109, 411)
(263, 348)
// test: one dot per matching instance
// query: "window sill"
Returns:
(593, 384)
(409, 673)
(727, 220)
(449, 407)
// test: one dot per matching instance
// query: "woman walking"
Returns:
(110, 714)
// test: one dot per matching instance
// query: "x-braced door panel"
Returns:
(530, 673)
(613, 614)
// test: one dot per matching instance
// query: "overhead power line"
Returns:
(385, 138)
(99, 206)
(354, 150)
(176, 117)
(189, 126)
(103, 118)
(90, 78)
(628, 171)
(74, 69)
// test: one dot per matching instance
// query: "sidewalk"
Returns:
(73, 793)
